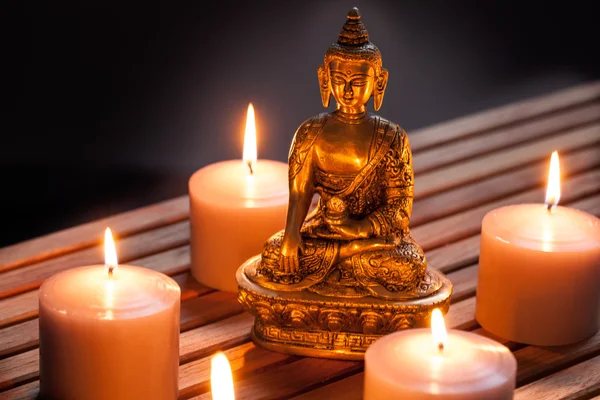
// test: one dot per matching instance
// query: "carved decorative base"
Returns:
(308, 324)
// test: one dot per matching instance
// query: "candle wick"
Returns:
(250, 166)
(441, 347)
(549, 207)
(110, 271)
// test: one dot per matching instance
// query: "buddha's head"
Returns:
(352, 71)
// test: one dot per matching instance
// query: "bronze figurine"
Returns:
(345, 273)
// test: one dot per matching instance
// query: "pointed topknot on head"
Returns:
(354, 13)
(353, 32)
(353, 43)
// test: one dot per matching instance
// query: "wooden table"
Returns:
(464, 168)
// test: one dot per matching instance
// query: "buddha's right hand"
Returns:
(289, 259)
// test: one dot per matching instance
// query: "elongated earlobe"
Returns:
(324, 86)
(379, 89)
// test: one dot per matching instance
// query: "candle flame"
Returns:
(221, 380)
(553, 188)
(110, 253)
(438, 329)
(250, 140)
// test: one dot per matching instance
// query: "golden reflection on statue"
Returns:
(356, 243)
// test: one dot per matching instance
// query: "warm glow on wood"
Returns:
(553, 188)
(250, 140)
(110, 253)
(438, 329)
(221, 380)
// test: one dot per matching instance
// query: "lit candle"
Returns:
(109, 332)
(539, 271)
(235, 206)
(423, 364)
(221, 380)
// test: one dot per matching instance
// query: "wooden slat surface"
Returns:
(578, 381)
(475, 146)
(83, 236)
(464, 168)
(511, 114)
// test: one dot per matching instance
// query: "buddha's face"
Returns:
(352, 83)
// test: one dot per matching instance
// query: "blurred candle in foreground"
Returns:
(109, 332)
(235, 206)
(221, 380)
(435, 364)
(539, 271)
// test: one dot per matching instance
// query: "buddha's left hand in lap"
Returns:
(350, 229)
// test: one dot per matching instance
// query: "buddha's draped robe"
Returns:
(382, 191)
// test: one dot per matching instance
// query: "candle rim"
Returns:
(236, 196)
(566, 244)
(154, 304)
(506, 362)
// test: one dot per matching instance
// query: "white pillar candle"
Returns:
(109, 333)
(235, 206)
(419, 364)
(539, 272)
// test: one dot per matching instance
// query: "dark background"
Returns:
(116, 103)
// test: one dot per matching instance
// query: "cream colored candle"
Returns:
(109, 333)
(539, 272)
(419, 364)
(235, 206)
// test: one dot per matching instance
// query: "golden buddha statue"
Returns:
(337, 270)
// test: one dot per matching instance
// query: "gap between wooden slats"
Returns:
(26, 392)
(174, 210)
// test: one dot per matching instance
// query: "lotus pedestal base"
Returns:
(308, 324)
